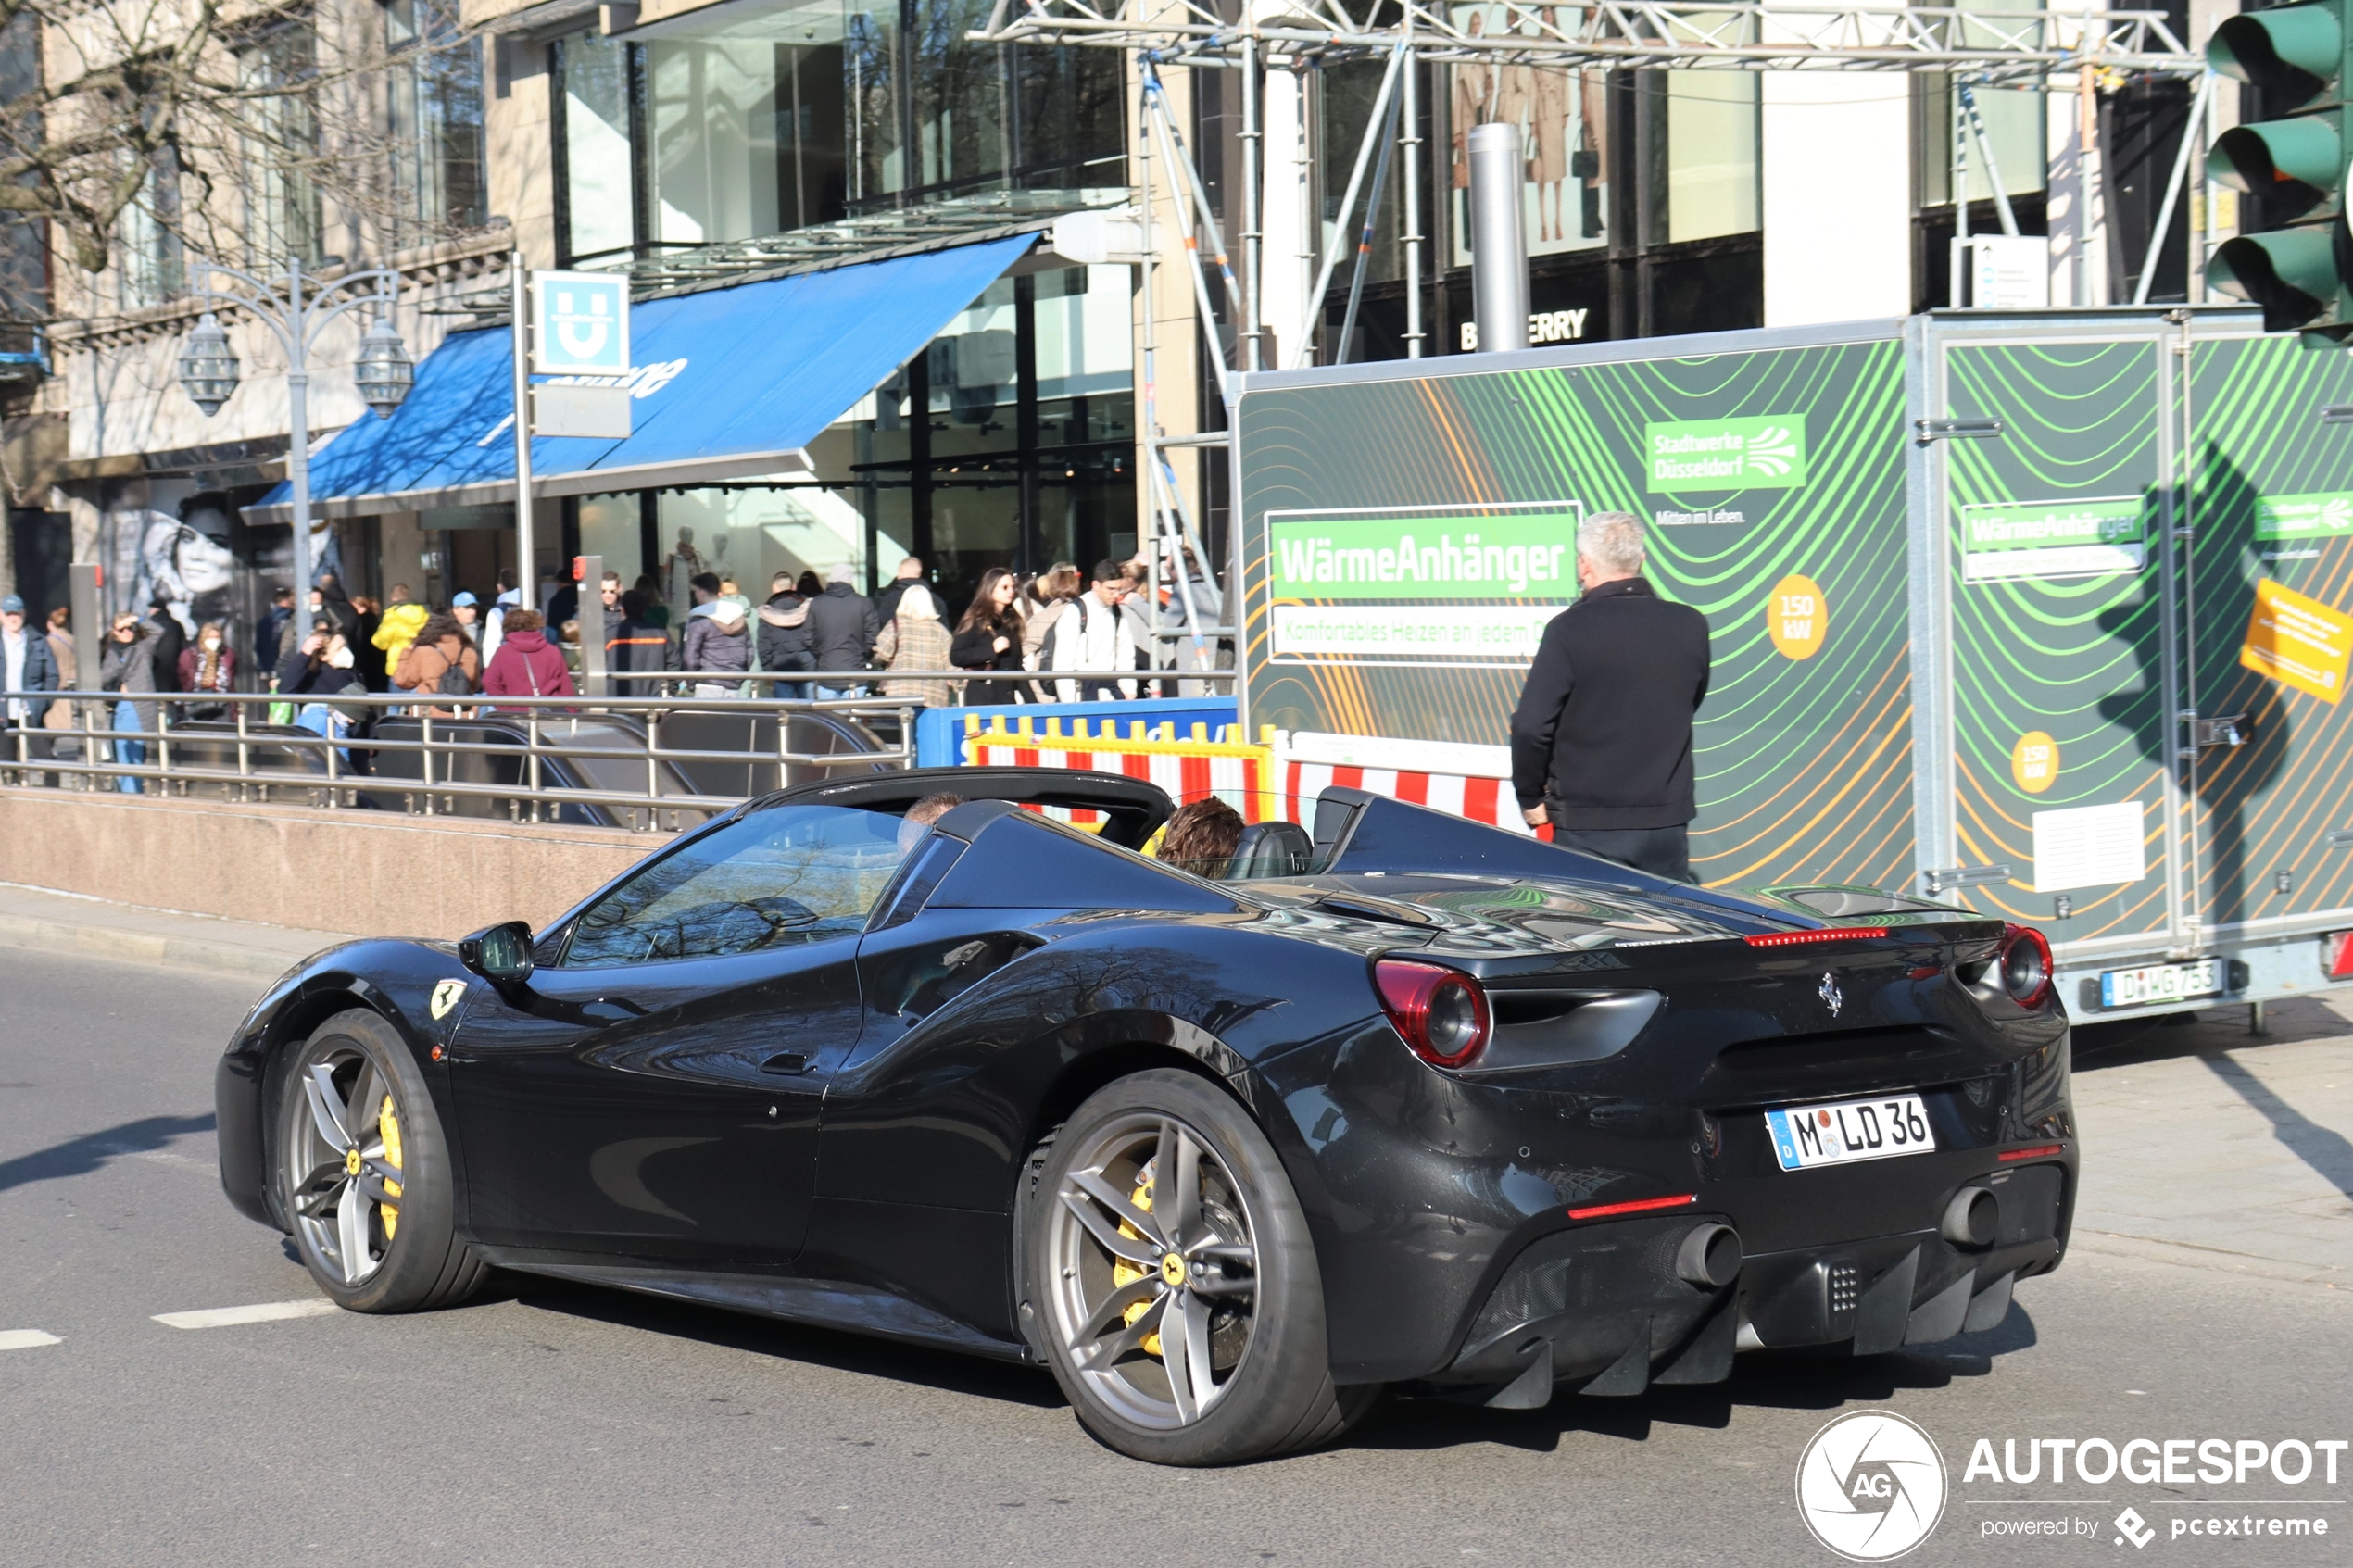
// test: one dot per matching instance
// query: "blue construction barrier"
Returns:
(940, 732)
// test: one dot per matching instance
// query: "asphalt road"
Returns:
(548, 1425)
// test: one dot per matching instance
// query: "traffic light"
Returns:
(2301, 270)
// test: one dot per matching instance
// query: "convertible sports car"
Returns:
(1407, 1102)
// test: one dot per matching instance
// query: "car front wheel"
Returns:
(1171, 1279)
(367, 1184)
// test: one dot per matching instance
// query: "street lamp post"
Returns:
(297, 309)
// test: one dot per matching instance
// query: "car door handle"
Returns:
(786, 1061)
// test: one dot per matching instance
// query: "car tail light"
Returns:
(2340, 954)
(1807, 938)
(1441, 1012)
(2026, 965)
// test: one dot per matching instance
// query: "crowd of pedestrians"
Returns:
(315, 654)
(1013, 635)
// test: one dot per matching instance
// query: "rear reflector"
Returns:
(2040, 1151)
(1640, 1205)
(2340, 951)
(1802, 938)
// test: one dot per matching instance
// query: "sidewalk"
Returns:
(63, 922)
(2206, 1147)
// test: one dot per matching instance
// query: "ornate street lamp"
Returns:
(297, 309)
(383, 371)
(208, 366)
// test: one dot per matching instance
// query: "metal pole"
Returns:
(1254, 347)
(1373, 126)
(299, 438)
(2173, 183)
(526, 560)
(1412, 143)
(1499, 249)
(1365, 244)
(591, 627)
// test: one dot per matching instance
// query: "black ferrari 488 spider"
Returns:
(1405, 1102)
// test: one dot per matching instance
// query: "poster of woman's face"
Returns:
(192, 570)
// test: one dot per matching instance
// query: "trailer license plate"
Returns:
(2160, 982)
(1807, 1135)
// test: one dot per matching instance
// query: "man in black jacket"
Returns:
(842, 626)
(1602, 739)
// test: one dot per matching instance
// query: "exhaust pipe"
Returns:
(1710, 1257)
(1499, 249)
(1971, 1219)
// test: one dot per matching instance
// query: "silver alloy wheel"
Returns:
(1148, 1217)
(342, 1165)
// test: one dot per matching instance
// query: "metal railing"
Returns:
(653, 761)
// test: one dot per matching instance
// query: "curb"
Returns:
(226, 960)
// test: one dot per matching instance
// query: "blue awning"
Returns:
(730, 383)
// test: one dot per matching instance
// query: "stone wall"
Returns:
(367, 873)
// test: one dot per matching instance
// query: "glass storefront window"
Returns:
(747, 127)
(610, 527)
(761, 119)
(1712, 162)
(2012, 118)
(750, 532)
(1563, 122)
(599, 179)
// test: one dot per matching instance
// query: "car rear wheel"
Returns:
(1172, 1281)
(367, 1184)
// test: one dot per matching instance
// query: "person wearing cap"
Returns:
(25, 666)
(466, 611)
(843, 624)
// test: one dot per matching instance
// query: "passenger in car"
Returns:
(922, 814)
(1201, 837)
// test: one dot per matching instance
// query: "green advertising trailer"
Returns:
(2044, 613)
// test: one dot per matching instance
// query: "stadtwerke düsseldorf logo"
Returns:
(1870, 1486)
(1766, 452)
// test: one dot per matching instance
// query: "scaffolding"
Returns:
(2072, 50)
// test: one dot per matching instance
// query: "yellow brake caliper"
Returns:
(1125, 1274)
(388, 1128)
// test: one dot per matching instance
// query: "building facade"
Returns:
(706, 146)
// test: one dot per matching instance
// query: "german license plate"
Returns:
(2160, 982)
(1807, 1135)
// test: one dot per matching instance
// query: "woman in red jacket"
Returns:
(526, 663)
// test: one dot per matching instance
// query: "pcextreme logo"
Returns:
(1764, 453)
(1870, 1486)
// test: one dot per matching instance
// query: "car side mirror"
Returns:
(500, 954)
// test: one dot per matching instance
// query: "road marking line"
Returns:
(229, 1317)
(26, 1339)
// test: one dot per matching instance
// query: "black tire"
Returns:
(1268, 1389)
(396, 1214)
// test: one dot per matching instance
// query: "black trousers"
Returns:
(1661, 851)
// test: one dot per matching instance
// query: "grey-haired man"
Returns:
(1602, 739)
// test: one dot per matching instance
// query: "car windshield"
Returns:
(784, 875)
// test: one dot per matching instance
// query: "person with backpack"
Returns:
(440, 663)
(1097, 632)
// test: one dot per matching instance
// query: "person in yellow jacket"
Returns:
(401, 623)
